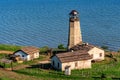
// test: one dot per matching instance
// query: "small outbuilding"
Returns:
(76, 60)
(27, 53)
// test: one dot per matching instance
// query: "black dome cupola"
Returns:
(74, 15)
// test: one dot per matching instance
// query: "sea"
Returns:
(46, 22)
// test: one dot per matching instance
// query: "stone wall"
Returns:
(77, 64)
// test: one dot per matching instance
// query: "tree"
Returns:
(118, 50)
(61, 46)
(104, 47)
(44, 49)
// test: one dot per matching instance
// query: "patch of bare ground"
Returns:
(45, 60)
(20, 67)
(6, 52)
(11, 75)
(15, 76)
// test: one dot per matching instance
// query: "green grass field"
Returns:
(9, 47)
(42, 57)
(110, 70)
(108, 67)
(2, 55)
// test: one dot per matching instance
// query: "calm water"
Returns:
(45, 22)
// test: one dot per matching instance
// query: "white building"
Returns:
(76, 60)
(27, 53)
(96, 52)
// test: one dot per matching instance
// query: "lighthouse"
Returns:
(74, 35)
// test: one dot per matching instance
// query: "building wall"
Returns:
(31, 56)
(28, 58)
(22, 55)
(97, 53)
(36, 55)
(73, 65)
(77, 65)
(55, 61)
(74, 33)
(77, 33)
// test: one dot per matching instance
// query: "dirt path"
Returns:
(20, 67)
(14, 76)
(6, 74)
(44, 62)
(10, 75)
(25, 66)
(6, 52)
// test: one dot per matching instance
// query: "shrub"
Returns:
(44, 49)
(61, 46)
(104, 47)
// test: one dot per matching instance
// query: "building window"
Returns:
(58, 65)
(100, 54)
(91, 55)
(53, 63)
(76, 64)
(22, 55)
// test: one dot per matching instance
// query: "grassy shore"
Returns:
(110, 68)
(9, 47)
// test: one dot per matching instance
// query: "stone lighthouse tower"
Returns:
(74, 35)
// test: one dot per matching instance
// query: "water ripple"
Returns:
(43, 23)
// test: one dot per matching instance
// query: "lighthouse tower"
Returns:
(74, 35)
